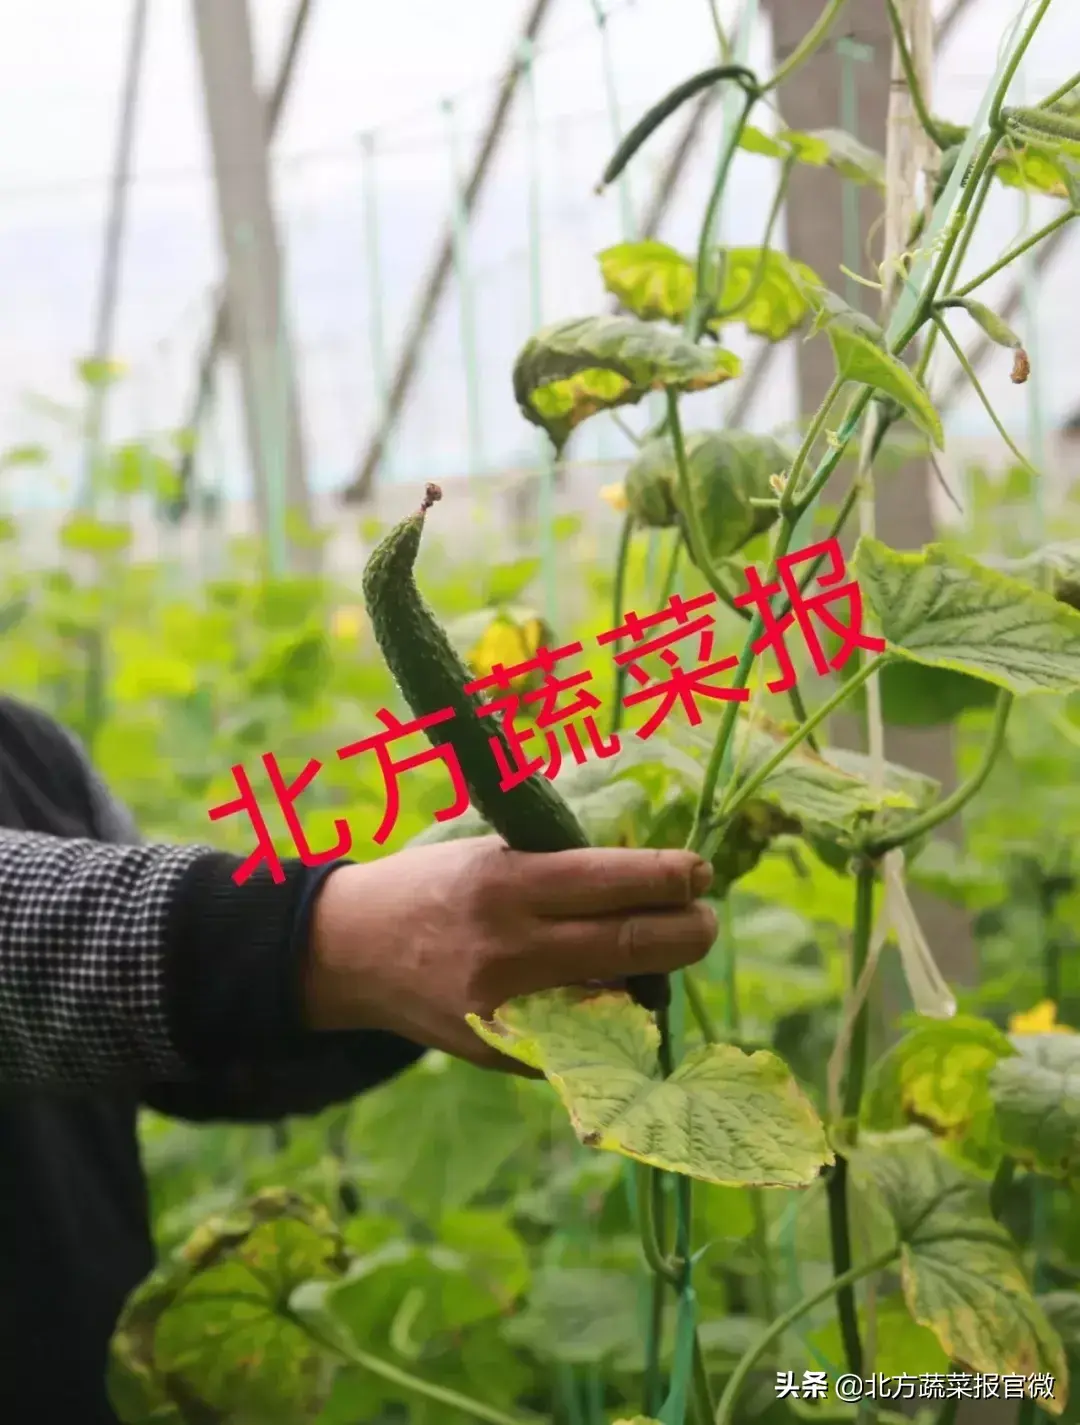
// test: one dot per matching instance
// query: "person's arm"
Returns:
(317, 1071)
(125, 964)
(148, 964)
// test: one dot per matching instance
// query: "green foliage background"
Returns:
(498, 1256)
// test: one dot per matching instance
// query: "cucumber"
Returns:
(531, 816)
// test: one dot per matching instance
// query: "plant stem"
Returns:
(725, 1413)
(621, 564)
(1060, 92)
(1002, 92)
(705, 296)
(699, 1009)
(393, 1375)
(1015, 252)
(948, 1412)
(969, 372)
(860, 945)
(671, 572)
(958, 799)
(691, 519)
(830, 461)
(788, 500)
(839, 1214)
(650, 1241)
(807, 45)
(999, 1188)
(726, 313)
(918, 99)
(704, 1405)
(722, 40)
(767, 768)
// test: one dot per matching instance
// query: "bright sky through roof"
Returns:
(367, 65)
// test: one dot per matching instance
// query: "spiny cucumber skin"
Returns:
(532, 816)
(529, 817)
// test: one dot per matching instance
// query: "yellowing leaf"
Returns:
(91, 536)
(938, 1076)
(819, 148)
(723, 1117)
(615, 496)
(570, 371)
(949, 611)
(766, 291)
(1037, 1094)
(959, 1269)
(650, 279)
(1041, 1019)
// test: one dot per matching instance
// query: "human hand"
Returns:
(414, 942)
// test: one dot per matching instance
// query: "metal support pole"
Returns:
(432, 292)
(104, 326)
(549, 554)
(373, 254)
(467, 313)
(236, 116)
(216, 341)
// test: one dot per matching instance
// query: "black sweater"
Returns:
(128, 975)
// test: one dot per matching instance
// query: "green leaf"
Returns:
(938, 1076)
(860, 358)
(763, 288)
(727, 470)
(1053, 567)
(1037, 1094)
(1063, 1312)
(23, 455)
(503, 583)
(650, 279)
(959, 1269)
(766, 291)
(209, 1332)
(619, 814)
(133, 468)
(904, 1348)
(577, 1316)
(850, 158)
(723, 1117)
(87, 535)
(995, 327)
(949, 611)
(570, 371)
(464, 1126)
(827, 796)
(914, 695)
(1034, 169)
(819, 148)
(99, 372)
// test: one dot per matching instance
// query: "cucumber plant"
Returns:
(918, 1157)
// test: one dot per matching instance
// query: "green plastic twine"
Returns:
(465, 291)
(1036, 434)
(548, 552)
(851, 54)
(373, 261)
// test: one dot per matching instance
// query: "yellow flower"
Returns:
(615, 496)
(1040, 1020)
(348, 622)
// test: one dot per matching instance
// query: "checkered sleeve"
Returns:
(83, 953)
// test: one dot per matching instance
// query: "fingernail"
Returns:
(701, 878)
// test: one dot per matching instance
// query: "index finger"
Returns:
(603, 881)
